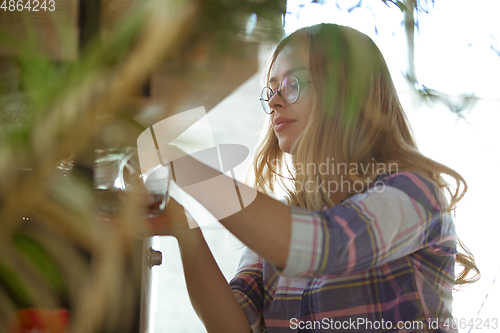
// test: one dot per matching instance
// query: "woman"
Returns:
(368, 242)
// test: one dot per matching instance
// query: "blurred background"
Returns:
(94, 74)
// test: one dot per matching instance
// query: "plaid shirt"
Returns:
(377, 260)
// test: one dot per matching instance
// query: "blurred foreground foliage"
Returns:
(54, 251)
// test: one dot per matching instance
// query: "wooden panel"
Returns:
(181, 86)
(52, 33)
(112, 11)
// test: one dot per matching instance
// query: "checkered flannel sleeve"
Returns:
(248, 289)
(405, 214)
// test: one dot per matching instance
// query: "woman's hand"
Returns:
(172, 222)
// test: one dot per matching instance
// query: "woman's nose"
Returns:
(276, 101)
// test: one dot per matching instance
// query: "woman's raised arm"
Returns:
(264, 225)
(209, 292)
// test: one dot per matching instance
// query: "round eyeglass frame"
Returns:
(265, 103)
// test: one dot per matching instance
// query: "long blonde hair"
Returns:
(357, 122)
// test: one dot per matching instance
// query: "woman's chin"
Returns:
(288, 147)
(284, 146)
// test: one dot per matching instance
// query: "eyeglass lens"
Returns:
(288, 90)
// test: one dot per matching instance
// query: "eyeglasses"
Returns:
(289, 91)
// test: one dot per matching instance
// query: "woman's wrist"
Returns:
(190, 241)
(186, 235)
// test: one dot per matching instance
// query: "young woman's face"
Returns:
(289, 120)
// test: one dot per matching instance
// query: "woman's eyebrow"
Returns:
(273, 79)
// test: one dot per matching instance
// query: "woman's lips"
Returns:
(282, 125)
